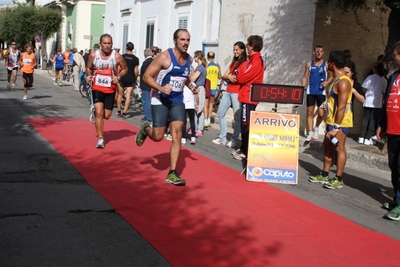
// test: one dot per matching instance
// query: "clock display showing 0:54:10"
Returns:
(284, 94)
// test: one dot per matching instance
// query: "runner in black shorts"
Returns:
(128, 82)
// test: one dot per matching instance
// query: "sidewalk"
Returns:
(371, 156)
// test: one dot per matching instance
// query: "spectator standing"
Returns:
(188, 99)
(390, 112)
(253, 72)
(78, 68)
(315, 78)
(338, 122)
(214, 75)
(230, 97)
(199, 78)
(146, 90)
(374, 87)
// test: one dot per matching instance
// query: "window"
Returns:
(125, 38)
(150, 34)
(183, 23)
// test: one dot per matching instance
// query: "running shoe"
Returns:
(60, 84)
(8, 86)
(334, 183)
(13, 87)
(141, 134)
(100, 143)
(119, 113)
(218, 141)
(360, 140)
(124, 116)
(183, 141)
(173, 178)
(207, 125)
(310, 136)
(389, 205)
(368, 142)
(169, 137)
(318, 179)
(192, 140)
(238, 154)
(199, 133)
(55, 83)
(189, 131)
(25, 97)
(374, 137)
(394, 214)
(231, 144)
(92, 115)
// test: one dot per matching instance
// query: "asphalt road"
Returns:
(50, 216)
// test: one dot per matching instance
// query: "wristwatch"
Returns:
(336, 127)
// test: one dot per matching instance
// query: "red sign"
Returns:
(273, 93)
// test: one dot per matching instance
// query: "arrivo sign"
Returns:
(274, 93)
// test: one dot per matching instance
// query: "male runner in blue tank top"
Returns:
(315, 78)
(167, 75)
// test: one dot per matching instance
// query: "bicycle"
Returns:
(67, 73)
(49, 67)
(86, 90)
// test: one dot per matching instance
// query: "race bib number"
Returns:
(104, 81)
(27, 61)
(178, 83)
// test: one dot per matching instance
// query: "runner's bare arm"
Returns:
(89, 67)
(162, 61)
(306, 74)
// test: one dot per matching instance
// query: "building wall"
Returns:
(165, 14)
(96, 22)
(344, 33)
(70, 37)
(287, 29)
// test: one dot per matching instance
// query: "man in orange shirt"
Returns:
(27, 63)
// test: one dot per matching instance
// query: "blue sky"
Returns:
(5, 2)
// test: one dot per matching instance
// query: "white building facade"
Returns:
(148, 23)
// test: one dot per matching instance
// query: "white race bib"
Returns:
(104, 81)
(178, 83)
(27, 61)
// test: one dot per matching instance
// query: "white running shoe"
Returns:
(360, 140)
(374, 137)
(218, 141)
(100, 143)
(231, 144)
(183, 141)
(192, 140)
(310, 136)
(25, 97)
(368, 142)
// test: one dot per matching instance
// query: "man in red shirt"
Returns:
(391, 112)
(253, 72)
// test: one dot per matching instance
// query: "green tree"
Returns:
(391, 6)
(23, 22)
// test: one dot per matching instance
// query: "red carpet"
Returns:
(218, 218)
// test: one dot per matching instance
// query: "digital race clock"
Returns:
(273, 93)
